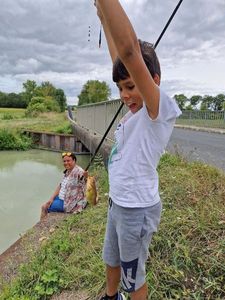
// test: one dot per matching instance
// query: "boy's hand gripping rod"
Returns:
(117, 113)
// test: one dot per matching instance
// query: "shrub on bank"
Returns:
(13, 141)
(40, 105)
(65, 128)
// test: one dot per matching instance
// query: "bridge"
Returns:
(91, 121)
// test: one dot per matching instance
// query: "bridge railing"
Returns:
(97, 117)
(213, 119)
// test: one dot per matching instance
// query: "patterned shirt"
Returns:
(74, 197)
(63, 188)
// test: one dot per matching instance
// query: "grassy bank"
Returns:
(16, 118)
(186, 261)
(14, 121)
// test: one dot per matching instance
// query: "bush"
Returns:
(39, 105)
(66, 129)
(14, 141)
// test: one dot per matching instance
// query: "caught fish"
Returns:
(91, 191)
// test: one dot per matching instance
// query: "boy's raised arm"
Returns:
(128, 50)
(110, 43)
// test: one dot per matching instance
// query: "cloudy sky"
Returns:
(47, 40)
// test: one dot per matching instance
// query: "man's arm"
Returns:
(128, 50)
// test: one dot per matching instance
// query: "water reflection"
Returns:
(27, 179)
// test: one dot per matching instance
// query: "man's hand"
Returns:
(49, 203)
(85, 174)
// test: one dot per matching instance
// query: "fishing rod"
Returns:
(121, 105)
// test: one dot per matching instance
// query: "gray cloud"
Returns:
(48, 40)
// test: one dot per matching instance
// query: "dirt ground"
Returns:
(18, 253)
(71, 296)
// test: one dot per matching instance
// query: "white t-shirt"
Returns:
(62, 190)
(139, 144)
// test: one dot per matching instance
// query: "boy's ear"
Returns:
(156, 78)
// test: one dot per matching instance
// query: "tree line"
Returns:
(95, 91)
(34, 97)
(45, 97)
(198, 102)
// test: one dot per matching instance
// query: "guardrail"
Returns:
(213, 119)
(96, 117)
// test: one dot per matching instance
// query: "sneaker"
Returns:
(119, 297)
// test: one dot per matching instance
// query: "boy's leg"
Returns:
(112, 280)
(141, 293)
(137, 226)
(111, 255)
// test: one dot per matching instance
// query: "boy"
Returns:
(141, 138)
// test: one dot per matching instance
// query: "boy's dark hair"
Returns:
(150, 58)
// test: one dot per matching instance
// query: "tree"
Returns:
(29, 90)
(219, 102)
(207, 102)
(181, 100)
(195, 100)
(94, 91)
(3, 99)
(61, 99)
(45, 89)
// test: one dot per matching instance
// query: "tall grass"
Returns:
(44, 122)
(187, 254)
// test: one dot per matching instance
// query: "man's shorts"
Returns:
(128, 235)
(57, 205)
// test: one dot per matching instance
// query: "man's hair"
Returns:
(150, 58)
(73, 156)
(70, 154)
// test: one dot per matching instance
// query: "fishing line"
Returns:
(121, 105)
(89, 33)
(100, 37)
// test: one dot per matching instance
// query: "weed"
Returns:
(7, 116)
(10, 140)
(66, 129)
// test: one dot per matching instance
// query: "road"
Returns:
(197, 145)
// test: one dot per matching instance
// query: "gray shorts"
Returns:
(128, 235)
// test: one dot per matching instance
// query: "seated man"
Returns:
(69, 195)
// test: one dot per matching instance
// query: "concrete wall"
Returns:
(57, 142)
(91, 140)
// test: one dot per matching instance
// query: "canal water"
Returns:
(27, 179)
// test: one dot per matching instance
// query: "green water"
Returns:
(27, 179)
